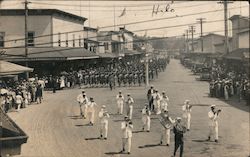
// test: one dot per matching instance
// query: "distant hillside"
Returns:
(171, 43)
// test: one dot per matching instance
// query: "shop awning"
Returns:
(7, 68)
(107, 55)
(130, 52)
(49, 53)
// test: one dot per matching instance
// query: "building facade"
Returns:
(209, 42)
(244, 38)
(239, 23)
(46, 28)
(90, 39)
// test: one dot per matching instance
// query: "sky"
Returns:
(174, 22)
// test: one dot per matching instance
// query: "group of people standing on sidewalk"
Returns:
(157, 105)
(17, 95)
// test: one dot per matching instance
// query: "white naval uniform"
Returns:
(91, 111)
(19, 100)
(187, 114)
(120, 102)
(158, 103)
(130, 102)
(127, 135)
(104, 123)
(146, 119)
(164, 103)
(166, 129)
(213, 125)
(83, 103)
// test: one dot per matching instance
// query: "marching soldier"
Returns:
(213, 123)
(126, 127)
(166, 122)
(120, 102)
(146, 118)
(82, 100)
(157, 102)
(120, 76)
(186, 108)
(129, 102)
(164, 101)
(103, 115)
(91, 111)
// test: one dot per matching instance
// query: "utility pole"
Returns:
(200, 20)
(225, 2)
(187, 41)
(147, 68)
(26, 34)
(192, 30)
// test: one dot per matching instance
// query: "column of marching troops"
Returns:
(157, 104)
(124, 74)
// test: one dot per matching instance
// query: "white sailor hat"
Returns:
(103, 106)
(120, 91)
(178, 118)
(128, 94)
(186, 101)
(213, 106)
(163, 92)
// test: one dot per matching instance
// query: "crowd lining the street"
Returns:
(227, 83)
(20, 94)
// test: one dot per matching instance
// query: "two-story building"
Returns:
(90, 39)
(53, 37)
(209, 42)
(240, 24)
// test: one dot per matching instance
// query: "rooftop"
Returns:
(37, 12)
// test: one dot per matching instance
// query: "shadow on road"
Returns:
(151, 145)
(138, 131)
(93, 138)
(113, 153)
(75, 117)
(80, 125)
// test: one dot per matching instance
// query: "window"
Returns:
(106, 46)
(59, 39)
(85, 45)
(67, 42)
(31, 39)
(74, 40)
(2, 34)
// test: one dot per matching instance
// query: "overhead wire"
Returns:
(131, 23)
(135, 41)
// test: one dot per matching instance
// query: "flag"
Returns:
(123, 12)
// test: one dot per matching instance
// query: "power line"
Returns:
(73, 5)
(135, 41)
(131, 23)
(141, 30)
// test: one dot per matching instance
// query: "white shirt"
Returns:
(119, 99)
(130, 100)
(81, 99)
(19, 99)
(103, 117)
(91, 106)
(212, 118)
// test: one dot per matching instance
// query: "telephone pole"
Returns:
(26, 34)
(225, 2)
(200, 20)
(187, 41)
(192, 30)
